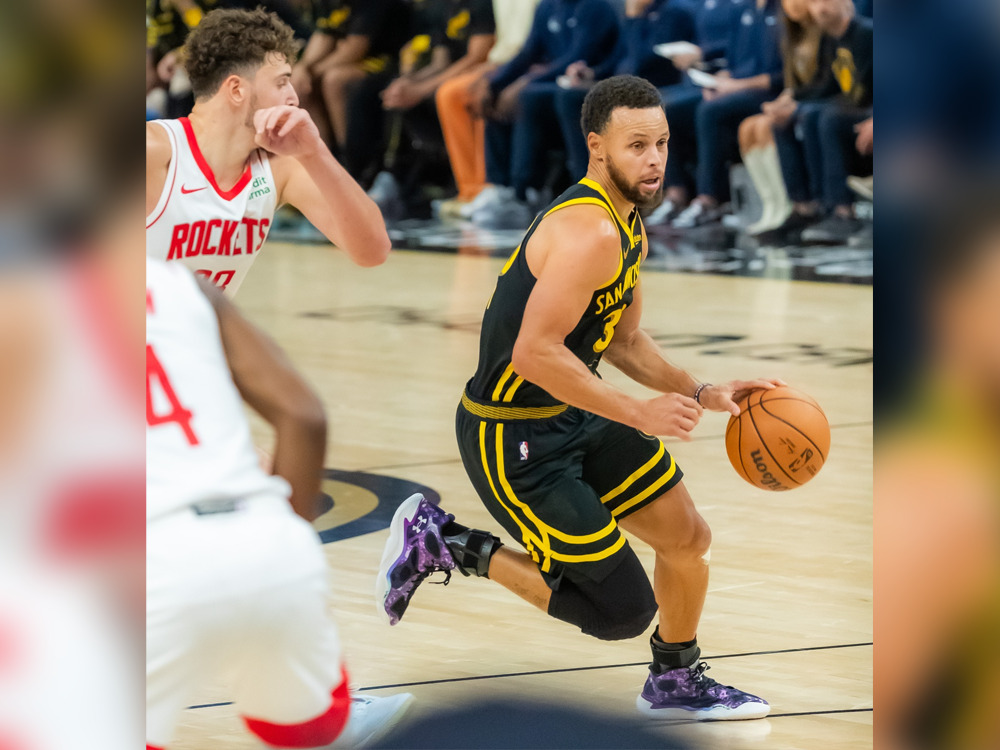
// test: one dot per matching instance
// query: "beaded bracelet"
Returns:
(698, 390)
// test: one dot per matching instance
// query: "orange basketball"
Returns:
(780, 440)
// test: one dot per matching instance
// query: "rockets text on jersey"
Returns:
(216, 233)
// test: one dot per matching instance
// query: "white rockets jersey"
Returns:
(198, 444)
(216, 233)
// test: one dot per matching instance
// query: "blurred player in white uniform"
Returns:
(235, 579)
(213, 179)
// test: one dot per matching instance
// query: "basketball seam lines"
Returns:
(764, 445)
(780, 419)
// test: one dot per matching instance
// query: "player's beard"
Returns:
(631, 191)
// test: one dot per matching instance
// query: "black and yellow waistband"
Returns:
(509, 413)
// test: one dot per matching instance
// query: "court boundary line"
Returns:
(446, 461)
(473, 678)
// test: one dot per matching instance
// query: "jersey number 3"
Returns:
(156, 378)
(610, 321)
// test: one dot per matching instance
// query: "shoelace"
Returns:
(699, 674)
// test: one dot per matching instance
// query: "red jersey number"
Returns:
(156, 376)
(220, 279)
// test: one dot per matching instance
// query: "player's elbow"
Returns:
(524, 358)
(374, 253)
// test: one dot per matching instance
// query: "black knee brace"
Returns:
(621, 606)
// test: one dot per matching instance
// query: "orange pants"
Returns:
(463, 134)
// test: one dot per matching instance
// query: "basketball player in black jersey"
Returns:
(562, 459)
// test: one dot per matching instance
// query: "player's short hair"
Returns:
(232, 41)
(608, 95)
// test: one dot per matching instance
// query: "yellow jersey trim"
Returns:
(611, 206)
(528, 538)
(667, 476)
(503, 380)
(634, 476)
(614, 217)
(506, 413)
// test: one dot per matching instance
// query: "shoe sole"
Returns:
(381, 730)
(718, 713)
(393, 552)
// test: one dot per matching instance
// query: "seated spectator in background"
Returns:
(807, 77)
(647, 23)
(519, 104)
(168, 91)
(703, 131)
(354, 42)
(828, 151)
(712, 23)
(457, 98)
(459, 35)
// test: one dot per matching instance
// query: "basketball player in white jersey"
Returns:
(214, 179)
(234, 578)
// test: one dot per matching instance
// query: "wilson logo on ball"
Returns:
(780, 440)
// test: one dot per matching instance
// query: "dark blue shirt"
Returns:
(712, 21)
(664, 21)
(563, 31)
(754, 45)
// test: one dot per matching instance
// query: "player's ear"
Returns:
(595, 144)
(236, 88)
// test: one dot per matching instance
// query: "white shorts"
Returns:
(243, 591)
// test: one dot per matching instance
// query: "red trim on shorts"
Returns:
(317, 732)
(206, 170)
(153, 747)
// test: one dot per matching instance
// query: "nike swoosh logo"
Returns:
(185, 190)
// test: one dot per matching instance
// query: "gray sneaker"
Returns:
(696, 215)
(833, 230)
(415, 549)
(686, 693)
(386, 194)
(371, 718)
(510, 214)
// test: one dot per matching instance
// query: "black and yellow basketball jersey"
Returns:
(495, 380)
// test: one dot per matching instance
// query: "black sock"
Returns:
(672, 655)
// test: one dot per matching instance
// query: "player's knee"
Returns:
(687, 542)
(621, 606)
(317, 732)
(629, 618)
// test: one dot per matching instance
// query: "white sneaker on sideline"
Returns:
(487, 197)
(371, 718)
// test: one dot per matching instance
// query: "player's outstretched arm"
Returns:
(573, 253)
(313, 181)
(268, 382)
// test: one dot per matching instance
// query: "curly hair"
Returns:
(608, 95)
(231, 41)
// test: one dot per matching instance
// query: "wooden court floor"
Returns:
(789, 610)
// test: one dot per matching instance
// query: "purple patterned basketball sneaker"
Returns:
(686, 693)
(415, 549)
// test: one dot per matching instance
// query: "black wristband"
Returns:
(698, 390)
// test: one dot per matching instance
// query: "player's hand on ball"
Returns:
(671, 414)
(286, 130)
(726, 397)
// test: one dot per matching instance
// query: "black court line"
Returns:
(446, 461)
(605, 666)
(587, 669)
(825, 712)
(414, 464)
